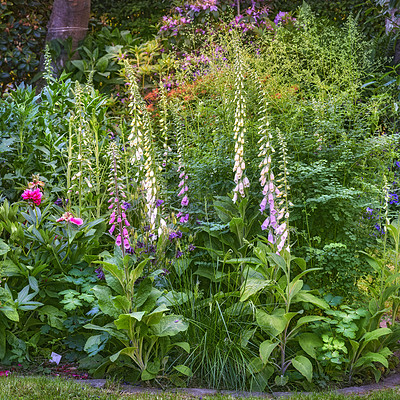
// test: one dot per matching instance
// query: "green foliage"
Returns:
(139, 320)
(140, 18)
(22, 34)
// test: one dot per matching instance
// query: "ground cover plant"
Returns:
(232, 224)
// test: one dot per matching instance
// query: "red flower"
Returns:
(34, 195)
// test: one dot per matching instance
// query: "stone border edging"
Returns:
(392, 381)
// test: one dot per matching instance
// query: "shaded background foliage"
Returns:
(23, 25)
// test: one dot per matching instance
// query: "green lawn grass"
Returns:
(34, 388)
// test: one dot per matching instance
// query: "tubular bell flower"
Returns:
(239, 130)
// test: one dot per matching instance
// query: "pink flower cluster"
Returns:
(33, 195)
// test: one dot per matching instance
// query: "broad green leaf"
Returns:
(142, 292)
(309, 342)
(260, 379)
(255, 365)
(252, 286)
(279, 261)
(173, 298)
(147, 376)
(10, 312)
(183, 369)
(273, 324)
(210, 273)
(125, 321)
(304, 366)
(376, 334)
(4, 248)
(266, 348)
(306, 297)
(183, 345)
(156, 315)
(307, 319)
(169, 325)
(128, 351)
(55, 317)
(294, 288)
(300, 262)
(370, 358)
(281, 380)
(236, 226)
(104, 296)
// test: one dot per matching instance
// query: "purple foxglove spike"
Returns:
(270, 198)
(185, 201)
(235, 196)
(265, 224)
(280, 245)
(263, 204)
(271, 187)
(118, 240)
(281, 229)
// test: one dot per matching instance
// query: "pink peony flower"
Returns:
(34, 195)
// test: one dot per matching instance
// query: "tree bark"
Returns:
(68, 19)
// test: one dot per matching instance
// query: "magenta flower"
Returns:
(34, 195)
(68, 217)
(185, 201)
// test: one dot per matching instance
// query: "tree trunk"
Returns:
(68, 19)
